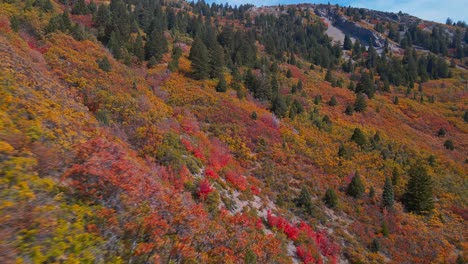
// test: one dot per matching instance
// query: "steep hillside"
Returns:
(176, 132)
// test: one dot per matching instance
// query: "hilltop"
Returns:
(166, 131)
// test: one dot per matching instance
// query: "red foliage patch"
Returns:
(210, 173)
(204, 189)
(282, 224)
(237, 180)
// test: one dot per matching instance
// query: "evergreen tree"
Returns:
(355, 188)
(348, 44)
(388, 195)
(418, 197)
(139, 49)
(157, 45)
(465, 116)
(200, 61)
(349, 110)
(279, 106)
(448, 144)
(289, 73)
(152, 62)
(216, 61)
(330, 198)
(395, 176)
(366, 85)
(222, 85)
(104, 64)
(305, 201)
(344, 152)
(358, 137)
(329, 76)
(80, 8)
(360, 104)
(332, 101)
(114, 46)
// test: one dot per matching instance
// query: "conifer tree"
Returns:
(358, 137)
(360, 104)
(388, 196)
(355, 188)
(139, 49)
(348, 44)
(216, 61)
(332, 101)
(157, 45)
(279, 106)
(222, 85)
(418, 196)
(200, 60)
(330, 199)
(329, 76)
(304, 200)
(349, 110)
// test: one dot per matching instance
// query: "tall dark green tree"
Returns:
(200, 59)
(418, 197)
(360, 104)
(279, 106)
(348, 44)
(156, 46)
(366, 85)
(356, 188)
(358, 137)
(139, 49)
(388, 197)
(222, 85)
(216, 61)
(304, 200)
(330, 199)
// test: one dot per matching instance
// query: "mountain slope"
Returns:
(109, 156)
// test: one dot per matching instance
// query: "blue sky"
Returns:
(435, 10)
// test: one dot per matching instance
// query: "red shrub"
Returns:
(237, 180)
(304, 254)
(210, 173)
(204, 189)
(282, 224)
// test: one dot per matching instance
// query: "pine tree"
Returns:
(366, 85)
(305, 201)
(418, 197)
(360, 104)
(448, 144)
(395, 176)
(388, 195)
(332, 101)
(157, 45)
(329, 76)
(279, 106)
(139, 49)
(222, 85)
(349, 110)
(104, 64)
(216, 61)
(200, 60)
(330, 199)
(358, 137)
(348, 44)
(355, 188)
